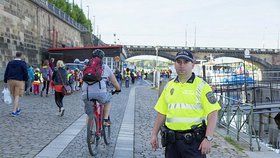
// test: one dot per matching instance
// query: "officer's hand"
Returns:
(154, 142)
(205, 147)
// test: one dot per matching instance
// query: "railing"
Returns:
(237, 120)
(215, 49)
(60, 14)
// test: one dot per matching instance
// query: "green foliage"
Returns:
(233, 143)
(73, 11)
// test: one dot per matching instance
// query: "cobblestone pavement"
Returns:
(29, 133)
(144, 120)
(38, 124)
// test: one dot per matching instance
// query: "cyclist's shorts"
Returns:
(102, 98)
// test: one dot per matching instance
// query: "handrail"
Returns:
(234, 118)
(60, 14)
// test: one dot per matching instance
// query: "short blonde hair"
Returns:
(59, 63)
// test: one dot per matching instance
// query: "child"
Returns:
(71, 79)
(37, 81)
(77, 75)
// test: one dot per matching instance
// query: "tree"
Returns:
(73, 11)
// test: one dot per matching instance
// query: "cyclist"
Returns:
(98, 90)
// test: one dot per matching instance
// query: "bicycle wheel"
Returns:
(92, 140)
(106, 131)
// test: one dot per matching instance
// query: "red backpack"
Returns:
(93, 71)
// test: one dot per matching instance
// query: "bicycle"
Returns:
(96, 128)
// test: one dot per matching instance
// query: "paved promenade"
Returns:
(39, 128)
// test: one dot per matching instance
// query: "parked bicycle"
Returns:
(96, 128)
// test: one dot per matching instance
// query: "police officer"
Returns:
(185, 103)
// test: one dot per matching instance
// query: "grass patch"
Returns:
(155, 88)
(215, 146)
(233, 143)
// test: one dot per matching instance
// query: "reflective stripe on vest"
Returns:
(185, 120)
(184, 106)
(198, 92)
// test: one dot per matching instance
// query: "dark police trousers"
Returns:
(183, 144)
(180, 149)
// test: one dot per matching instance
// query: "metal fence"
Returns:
(238, 121)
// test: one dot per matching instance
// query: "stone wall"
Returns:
(30, 28)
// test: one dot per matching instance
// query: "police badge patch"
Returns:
(211, 97)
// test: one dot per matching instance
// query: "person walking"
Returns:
(118, 77)
(46, 75)
(15, 76)
(37, 81)
(59, 79)
(187, 113)
(52, 64)
(28, 84)
(127, 77)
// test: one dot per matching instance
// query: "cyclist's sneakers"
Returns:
(14, 114)
(18, 111)
(62, 111)
(106, 122)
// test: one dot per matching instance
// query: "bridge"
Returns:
(264, 58)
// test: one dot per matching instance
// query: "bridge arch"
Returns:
(264, 64)
(163, 54)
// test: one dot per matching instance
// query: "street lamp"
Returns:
(94, 25)
(156, 57)
(157, 75)
(246, 56)
(115, 40)
(88, 12)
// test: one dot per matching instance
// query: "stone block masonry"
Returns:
(32, 29)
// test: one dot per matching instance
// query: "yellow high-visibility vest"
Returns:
(186, 104)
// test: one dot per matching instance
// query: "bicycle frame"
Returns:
(98, 114)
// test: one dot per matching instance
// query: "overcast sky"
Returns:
(218, 23)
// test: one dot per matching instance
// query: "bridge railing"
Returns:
(225, 49)
(237, 121)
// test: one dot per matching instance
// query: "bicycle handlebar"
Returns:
(115, 92)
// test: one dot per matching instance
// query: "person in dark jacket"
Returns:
(59, 79)
(46, 75)
(16, 75)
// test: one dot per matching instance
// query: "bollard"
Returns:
(238, 125)
(250, 127)
(228, 117)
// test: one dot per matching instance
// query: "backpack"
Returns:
(93, 72)
(36, 77)
(45, 73)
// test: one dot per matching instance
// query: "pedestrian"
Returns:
(127, 77)
(118, 77)
(187, 113)
(52, 64)
(15, 76)
(46, 75)
(132, 76)
(28, 84)
(59, 79)
(77, 78)
(37, 81)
